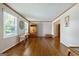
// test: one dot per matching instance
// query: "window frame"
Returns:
(26, 24)
(5, 35)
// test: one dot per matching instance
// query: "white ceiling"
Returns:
(40, 11)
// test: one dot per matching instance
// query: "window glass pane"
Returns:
(10, 24)
(9, 28)
(26, 28)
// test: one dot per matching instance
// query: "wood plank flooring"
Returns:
(38, 47)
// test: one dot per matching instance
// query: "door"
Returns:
(58, 30)
(57, 38)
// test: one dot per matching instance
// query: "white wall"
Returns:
(1, 26)
(40, 29)
(44, 28)
(47, 28)
(52, 28)
(6, 43)
(70, 34)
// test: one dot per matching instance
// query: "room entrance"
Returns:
(57, 33)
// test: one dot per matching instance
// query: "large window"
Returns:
(10, 24)
(26, 28)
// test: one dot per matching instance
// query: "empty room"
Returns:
(39, 29)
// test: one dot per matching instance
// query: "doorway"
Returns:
(33, 31)
(57, 33)
(58, 30)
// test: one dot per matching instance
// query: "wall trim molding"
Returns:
(64, 11)
(11, 47)
(40, 21)
(15, 11)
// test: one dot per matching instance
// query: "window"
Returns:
(10, 25)
(26, 28)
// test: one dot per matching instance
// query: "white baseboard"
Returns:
(10, 47)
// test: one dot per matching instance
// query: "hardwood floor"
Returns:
(38, 47)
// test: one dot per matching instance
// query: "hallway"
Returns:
(37, 47)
